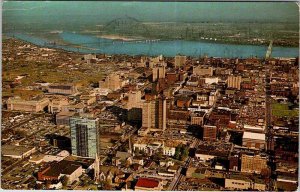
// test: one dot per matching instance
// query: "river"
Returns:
(84, 43)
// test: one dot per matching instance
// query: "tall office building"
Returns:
(180, 60)
(159, 72)
(84, 136)
(155, 60)
(134, 106)
(134, 99)
(154, 114)
(148, 114)
(234, 82)
(161, 113)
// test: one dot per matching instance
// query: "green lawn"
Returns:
(281, 110)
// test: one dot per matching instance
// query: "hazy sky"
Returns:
(92, 12)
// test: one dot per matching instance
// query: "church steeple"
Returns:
(130, 147)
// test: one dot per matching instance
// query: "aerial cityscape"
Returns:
(150, 96)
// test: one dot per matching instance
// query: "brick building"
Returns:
(253, 163)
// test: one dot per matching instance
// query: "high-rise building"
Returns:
(161, 108)
(84, 136)
(159, 72)
(134, 106)
(234, 81)
(148, 114)
(134, 100)
(155, 60)
(180, 60)
(154, 114)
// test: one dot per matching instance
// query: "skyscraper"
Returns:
(148, 114)
(161, 113)
(159, 72)
(155, 114)
(134, 99)
(84, 136)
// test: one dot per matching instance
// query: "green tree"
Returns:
(184, 153)
(181, 152)
(159, 153)
(177, 152)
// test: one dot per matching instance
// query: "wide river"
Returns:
(91, 44)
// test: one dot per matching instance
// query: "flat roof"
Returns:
(13, 150)
(62, 167)
(256, 136)
(37, 157)
(253, 127)
(65, 113)
(237, 176)
(147, 183)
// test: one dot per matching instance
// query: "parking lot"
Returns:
(19, 175)
(30, 132)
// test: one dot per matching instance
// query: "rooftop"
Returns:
(256, 136)
(14, 150)
(66, 113)
(216, 149)
(147, 183)
(61, 167)
(238, 177)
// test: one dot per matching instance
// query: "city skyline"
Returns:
(164, 96)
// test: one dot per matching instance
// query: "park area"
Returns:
(283, 110)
